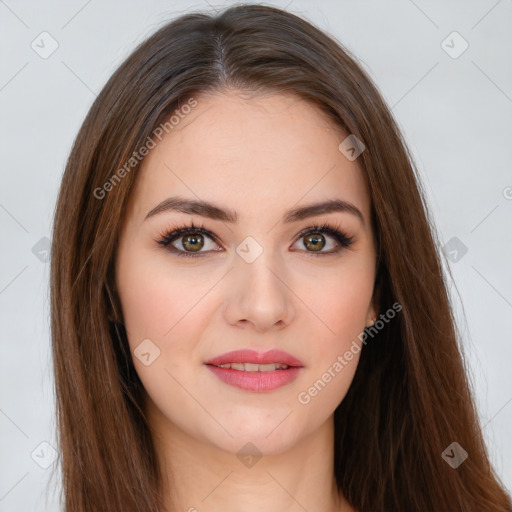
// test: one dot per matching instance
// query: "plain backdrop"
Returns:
(453, 103)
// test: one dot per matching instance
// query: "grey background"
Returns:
(455, 113)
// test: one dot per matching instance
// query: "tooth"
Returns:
(253, 367)
(267, 367)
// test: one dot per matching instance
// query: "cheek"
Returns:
(156, 299)
(162, 305)
(340, 301)
(145, 303)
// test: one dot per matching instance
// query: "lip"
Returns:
(252, 356)
(256, 381)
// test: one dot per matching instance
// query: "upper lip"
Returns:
(252, 356)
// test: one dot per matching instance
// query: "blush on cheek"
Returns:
(342, 306)
(150, 299)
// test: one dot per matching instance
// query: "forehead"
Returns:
(259, 155)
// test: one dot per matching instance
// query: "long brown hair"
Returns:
(410, 397)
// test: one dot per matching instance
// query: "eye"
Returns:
(314, 239)
(188, 241)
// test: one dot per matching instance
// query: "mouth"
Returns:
(255, 371)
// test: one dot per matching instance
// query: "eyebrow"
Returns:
(211, 211)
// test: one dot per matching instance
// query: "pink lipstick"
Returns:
(255, 371)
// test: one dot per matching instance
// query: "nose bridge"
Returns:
(258, 284)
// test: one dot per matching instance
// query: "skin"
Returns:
(259, 156)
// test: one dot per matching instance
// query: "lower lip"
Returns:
(255, 381)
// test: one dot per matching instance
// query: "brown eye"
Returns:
(314, 241)
(323, 240)
(193, 242)
(189, 241)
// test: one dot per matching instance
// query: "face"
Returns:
(250, 274)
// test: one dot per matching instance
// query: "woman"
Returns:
(248, 309)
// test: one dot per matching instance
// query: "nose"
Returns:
(258, 295)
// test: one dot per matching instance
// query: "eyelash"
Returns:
(177, 232)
